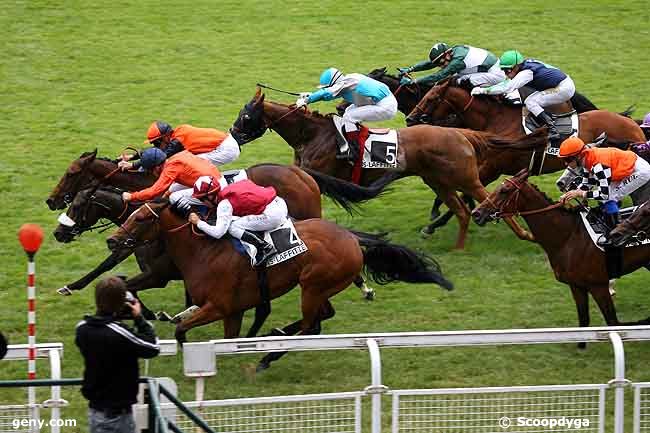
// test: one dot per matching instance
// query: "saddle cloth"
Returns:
(285, 239)
(380, 148)
(593, 221)
(233, 176)
(567, 125)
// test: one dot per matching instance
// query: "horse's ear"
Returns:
(258, 92)
(523, 174)
(383, 70)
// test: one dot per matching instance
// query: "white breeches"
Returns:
(639, 177)
(183, 195)
(385, 109)
(274, 215)
(226, 152)
(555, 95)
(493, 76)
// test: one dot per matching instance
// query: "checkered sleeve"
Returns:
(600, 177)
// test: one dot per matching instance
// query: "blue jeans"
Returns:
(98, 422)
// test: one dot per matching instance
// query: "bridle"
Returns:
(513, 198)
(130, 241)
(79, 228)
(440, 98)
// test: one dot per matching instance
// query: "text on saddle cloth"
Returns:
(286, 241)
(380, 146)
(567, 125)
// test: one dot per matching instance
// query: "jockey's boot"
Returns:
(546, 118)
(611, 221)
(264, 249)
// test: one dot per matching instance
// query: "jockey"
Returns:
(616, 173)
(552, 86)
(477, 66)
(242, 207)
(176, 174)
(216, 146)
(370, 99)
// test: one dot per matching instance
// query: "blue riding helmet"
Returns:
(329, 77)
(152, 157)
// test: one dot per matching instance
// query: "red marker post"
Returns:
(31, 237)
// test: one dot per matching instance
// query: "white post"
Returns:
(619, 381)
(376, 388)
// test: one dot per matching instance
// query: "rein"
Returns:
(513, 198)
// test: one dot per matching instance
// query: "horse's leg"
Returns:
(208, 313)
(456, 205)
(435, 209)
(109, 263)
(604, 300)
(232, 325)
(326, 311)
(581, 298)
(149, 279)
(367, 292)
(521, 233)
(262, 312)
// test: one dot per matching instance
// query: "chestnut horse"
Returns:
(575, 260)
(334, 258)
(634, 228)
(445, 158)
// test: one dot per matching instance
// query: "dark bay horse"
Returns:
(575, 260)
(445, 158)
(334, 258)
(300, 190)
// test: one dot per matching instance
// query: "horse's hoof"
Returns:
(163, 316)
(582, 345)
(369, 295)
(263, 365)
(64, 291)
(427, 231)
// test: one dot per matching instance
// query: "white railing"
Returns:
(199, 362)
(9, 413)
(641, 407)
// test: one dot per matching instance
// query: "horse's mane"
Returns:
(571, 210)
(483, 141)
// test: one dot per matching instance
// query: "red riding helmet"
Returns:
(206, 186)
(572, 146)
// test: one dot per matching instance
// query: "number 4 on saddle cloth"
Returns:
(285, 239)
(377, 147)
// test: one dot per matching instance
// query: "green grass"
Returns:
(77, 75)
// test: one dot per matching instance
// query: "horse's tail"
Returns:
(535, 141)
(344, 193)
(386, 262)
(581, 103)
(628, 113)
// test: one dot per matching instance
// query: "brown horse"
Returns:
(575, 260)
(300, 189)
(634, 228)
(445, 158)
(334, 258)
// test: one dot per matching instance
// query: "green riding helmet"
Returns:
(510, 59)
(437, 51)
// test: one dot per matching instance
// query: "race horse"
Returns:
(445, 158)
(300, 190)
(334, 258)
(446, 100)
(409, 95)
(575, 259)
(635, 228)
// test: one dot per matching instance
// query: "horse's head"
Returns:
(504, 200)
(571, 179)
(633, 229)
(75, 178)
(250, 124)
(141, 227)
(437, 107)
(87, 208)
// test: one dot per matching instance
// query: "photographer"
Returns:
(3, 346)
(111, 351)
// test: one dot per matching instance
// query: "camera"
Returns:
(126, 312)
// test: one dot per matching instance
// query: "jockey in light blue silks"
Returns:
(370, 100)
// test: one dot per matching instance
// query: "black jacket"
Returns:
(111, 351)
